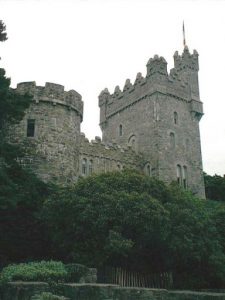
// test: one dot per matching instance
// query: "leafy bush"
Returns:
(47, 296)
(75, 272)
(35, 271)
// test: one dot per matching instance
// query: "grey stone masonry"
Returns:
(158, 115)
(151, 125)
(53, 149)
(98, 157)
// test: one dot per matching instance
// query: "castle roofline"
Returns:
(53, 93)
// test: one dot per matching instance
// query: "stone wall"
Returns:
(53, 151)
(98, 157)
(158, 116)
(24, 291)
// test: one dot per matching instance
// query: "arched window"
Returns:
(172, 140)
(132, 142)
(84, 166)
(30, 127)
(175, 117)
(148, 169)
(90, 167)
(120, 130)
(179, 175)
(184, 177)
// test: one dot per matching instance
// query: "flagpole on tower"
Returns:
(184, 39)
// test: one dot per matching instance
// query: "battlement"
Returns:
(186, 60)
(157, 79)
(157, 65)
(109, 151)
(53, 93)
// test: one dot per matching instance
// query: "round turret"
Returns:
(50, 131)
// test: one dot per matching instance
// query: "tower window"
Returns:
(90, 167)
(120, 130)
(133, 143)
(148, 169)
(30, 127)
(172, 140)
(179, 175)
(184, 177)
(84, 166)
(175, 117)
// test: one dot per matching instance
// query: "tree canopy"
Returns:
(130, 220)
(21, 192)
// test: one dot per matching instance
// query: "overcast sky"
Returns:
(88, 45)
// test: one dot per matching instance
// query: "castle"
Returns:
(151, 125)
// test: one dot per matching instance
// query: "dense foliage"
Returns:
(133, 221)
(119, 219)
(3, 34)
(47, 296)
(215, 187)
(46, 271)
(21, 193)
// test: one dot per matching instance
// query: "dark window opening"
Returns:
(175, 116)
(121, 130)
(84, 166)
(90, 167)
(30, 127)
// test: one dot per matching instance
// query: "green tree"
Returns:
(109, 219)
(21, 192)
(215, 187)
(129, 220)
(3, 34)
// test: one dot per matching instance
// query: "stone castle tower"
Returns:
(151, 125)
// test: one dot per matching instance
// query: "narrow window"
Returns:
(90, 167)
(172, 140)
(84, 166)
(148, 169)
(30, 127)
(175, 117)
(132, 142)
(120, 130)
(179, 175)
(184, 177)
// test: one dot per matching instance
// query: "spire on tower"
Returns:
(184, 39)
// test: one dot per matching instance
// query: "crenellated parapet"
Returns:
(186, 60)
(157, 65)
(107, 156)
(53, 93)
(157, 79)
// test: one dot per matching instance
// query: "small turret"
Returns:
(157, 65)
(187, 68)
(103, 97)
(186, 60)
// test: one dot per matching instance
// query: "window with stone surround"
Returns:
(172, 140)
(84, 166)
(132, 142)
(184, 175)
(30, 127)
(175, 117)
(90, 171)
(148, 169)
(120, 130)
(179, 175)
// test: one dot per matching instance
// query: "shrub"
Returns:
(35, 271)
(47, 296)
(75, 272)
